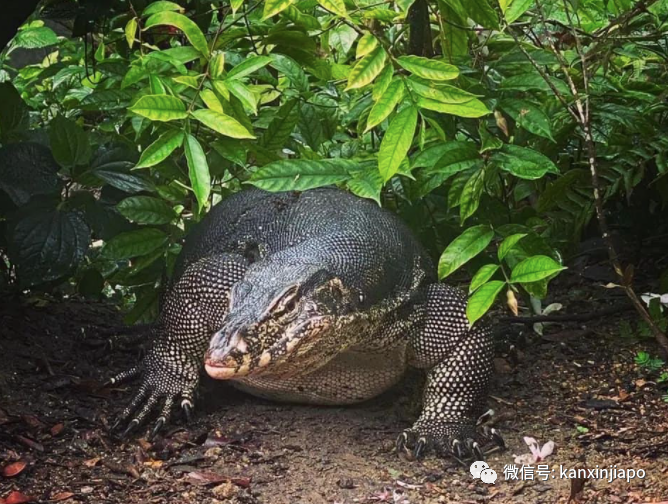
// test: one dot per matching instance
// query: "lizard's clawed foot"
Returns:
(464, 442)
(161, 388)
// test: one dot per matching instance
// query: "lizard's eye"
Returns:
(286, 302)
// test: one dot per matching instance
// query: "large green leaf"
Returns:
(508, 243)
(366, 184)
(160, 6)
(70, 145)
(223, 124)
(426, 68)
(198, 170)
(535, 268)
(273, 7)
(513, 9)
(396, 142)
(529, 116)
(458, 156)
(243, 93)
(483, 298)
(159, 150)
(482, 276)
(34, 38)
(13, 112)
(146, 210)
(385, 104)
(160, 108)
(367, 69)
(480, 11)
(469, 200)
(301, 174)
(440, 92)
(531, 82)
(248, 66)
(365, 45)
(523, 162)
(464, 248)
(27, 169)
(473, 108)
(134, 244)
(188, 27)
(281, 126)
(47, 243)
(335, 6)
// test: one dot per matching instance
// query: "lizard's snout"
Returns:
(225, 356)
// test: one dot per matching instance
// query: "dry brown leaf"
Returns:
(14, 469)
(61, 496)
(92, 462)
(17, 498)
(57, 429)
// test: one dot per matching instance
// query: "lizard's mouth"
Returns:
(236, 359)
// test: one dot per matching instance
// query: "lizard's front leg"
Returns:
(460, 359)
(194, 309)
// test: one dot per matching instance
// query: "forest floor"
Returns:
(577, 386)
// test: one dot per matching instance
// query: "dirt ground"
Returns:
(578, 386)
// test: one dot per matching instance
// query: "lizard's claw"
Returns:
(161, 387)
(461, 441)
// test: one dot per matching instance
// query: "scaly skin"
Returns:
(317, 297)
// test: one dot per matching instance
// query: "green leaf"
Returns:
(245, 95)
(198, 170)
(236, 5)
(134, 244)
(480, 11)
(382, 82)
(533, 82)
(211, 100)
(146, 210)
(385, 104)
(248, 66)
(160, 108)
(131, 31)
(426, 68)
(335, 6)
(396, 142)
(469, 200)
(366, 184)
(273, 7)
(35, 38)
(217, 64)
(523, 162)
(280, 128)
(160, 149)
(160, 6)
(301, 174)
(535, 268)
(474, 108)
(528, 116)
(292, 71)
(482, 300)
(464, 248)
(69, 143)
(13, 112)
(46, 243)
(440, 92)
(188, 27)
(365, 45)
(516, 8)
(482, 276)
(367, 69)
(223, 124)
(508, 244)
(458, 157)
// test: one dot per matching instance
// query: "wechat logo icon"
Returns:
(480, 469)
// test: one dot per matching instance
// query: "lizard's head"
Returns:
(278, 313)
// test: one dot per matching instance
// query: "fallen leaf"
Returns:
(203, 478)
(17, 498)
(91, 462)
(14, 469)
(57, 429)
(153, 464)
(61, 496)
